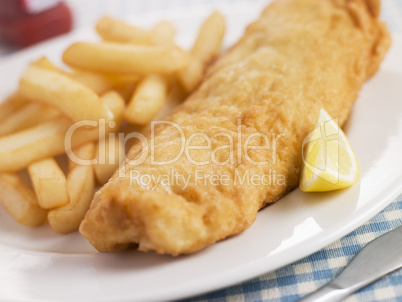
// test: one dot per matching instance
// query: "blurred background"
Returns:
(26, 22)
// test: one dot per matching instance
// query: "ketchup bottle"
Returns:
(26, 22)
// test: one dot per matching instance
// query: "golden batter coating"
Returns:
(301, 55)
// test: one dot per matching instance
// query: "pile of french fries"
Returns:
(123, 80)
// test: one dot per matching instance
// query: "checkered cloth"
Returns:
(296, 280)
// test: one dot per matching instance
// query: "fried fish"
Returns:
(242, 130)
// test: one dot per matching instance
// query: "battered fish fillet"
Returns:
(300, 55)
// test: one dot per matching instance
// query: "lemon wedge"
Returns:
(329, 160)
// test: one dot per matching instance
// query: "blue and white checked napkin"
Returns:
(296, 280)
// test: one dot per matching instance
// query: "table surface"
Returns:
(304, 276)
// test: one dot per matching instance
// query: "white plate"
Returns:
(37, 264)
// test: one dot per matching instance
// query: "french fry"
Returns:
(123, 84)
(30, 115)
(70, 97)
(81, 185)
(205, 48)
(177, 94)
(19, 150)
(125, 91)
(20, 201)
(100, 83)
(209, 39)
(121, 79)
(114, 30)
(11, 104)
(191, 76)
(49, 183)
(45, 63)
(125, 58)
(163, 33)
(110, 154)
(97, 82)
(81, 156)
(147, 100)
(113, 101)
